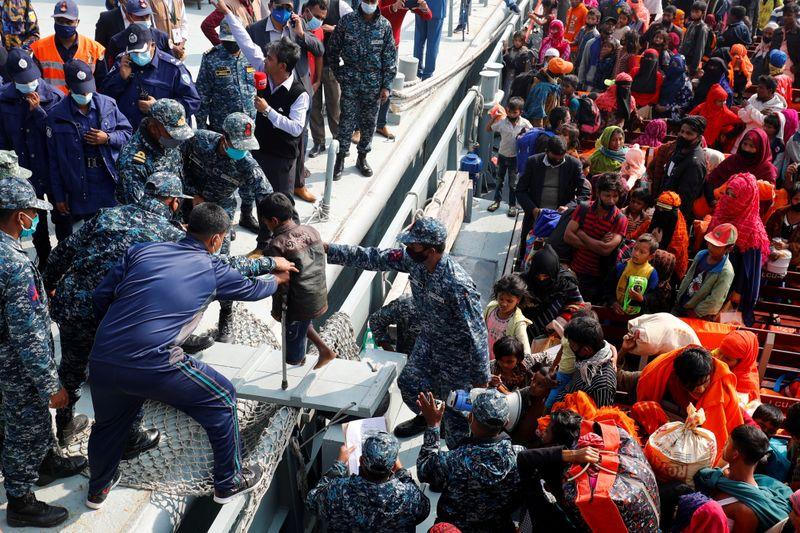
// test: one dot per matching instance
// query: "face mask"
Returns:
(27, 232)
(417, 257)
(513, 120)
(81, 99)
(554, 163)
(281, 15)
(313, 24)
(144, 24)
(747, 155)
(235, 153)
(169, 142)
(608, 206)
(368, 9)
(65, 32)
(796, 207)
(231, 46)
(766, 39)
(141, 58)
(682, 144)
(27, 88)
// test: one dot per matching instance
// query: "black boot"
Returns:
(363, 166)
(140, 442)
(55, 467)
(197, 343)
(409, 428)
(338, 167)
(27, 511)
(225, 329)
(68, 425)
(247, 220)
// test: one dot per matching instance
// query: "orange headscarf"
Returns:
(739, 55)
(743, 345)
(679, 245)
(582, 403)
(720, 401)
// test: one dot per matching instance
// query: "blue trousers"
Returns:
(190, 386)
(747, 281)
(430, 32)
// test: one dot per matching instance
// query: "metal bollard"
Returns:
(450, 19)
(325, 208)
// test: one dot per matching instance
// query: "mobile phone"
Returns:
(411, 4)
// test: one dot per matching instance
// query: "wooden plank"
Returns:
(766, 353)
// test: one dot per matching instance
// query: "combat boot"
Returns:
(68, 425)
(247, 220)
(338, 167)
(140, 441)
(225, 329)
(363, 166)
(55, 467)
(409, 428)
(27, 511)
(197, 343)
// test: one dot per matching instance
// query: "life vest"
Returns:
(46, 53)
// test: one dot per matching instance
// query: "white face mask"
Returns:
(369, 9)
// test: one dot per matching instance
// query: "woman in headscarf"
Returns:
(609, 154)
(739, 350)
(647, 79)
(739, 206)
(628, 53)
(555, 39)
(674, 42)
(654, 133)
(641, 16)
(669, 227)
(553, 290)
(714, 71)
(616, 104)
(760, 57)
(722, 125)
(753, 156)
(662, 299)
(697, 512)
(740, 70)
(676, 92)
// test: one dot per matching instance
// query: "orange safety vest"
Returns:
(45, 51)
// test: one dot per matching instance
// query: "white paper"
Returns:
(354, 434)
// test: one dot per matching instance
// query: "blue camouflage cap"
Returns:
(9, 166)
(490, 408)
(18, 193)
(379, 452)
(164, 184)
(66, 9)
(240, 131)
(424, 230)
(172, 116)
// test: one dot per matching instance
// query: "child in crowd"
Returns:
(572, 136)
(509, 125)
(569, 84)
(772, 126)
(503, 314)
(307, 294)
(639, 209)
(511, 368)
(516, 59)
(636, 276)
(586, 34)
(564, 364)
(769, 418)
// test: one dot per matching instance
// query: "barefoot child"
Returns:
(307, 294)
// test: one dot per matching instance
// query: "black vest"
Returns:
(331, 18)
(274, 141)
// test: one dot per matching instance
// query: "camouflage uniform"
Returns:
(226, 85)
(370, 57)
(27, 367)
(352, 503)
(143, 156)
(479, 480)
(452, 349)
(400, 312)
(20, 25)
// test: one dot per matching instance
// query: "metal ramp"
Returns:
(351, 387)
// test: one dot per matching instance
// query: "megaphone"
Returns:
(461, 400)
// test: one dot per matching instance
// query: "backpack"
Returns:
(588, 116)
(526, 146)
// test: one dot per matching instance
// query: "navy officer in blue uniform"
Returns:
(149, 304)
(145, 74)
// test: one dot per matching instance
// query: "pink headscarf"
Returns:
(791, 123)
(654, 133)
(739, 206)
(555, 39)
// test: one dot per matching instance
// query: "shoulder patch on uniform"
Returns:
(395, 255)
(186, 78)
(48, 131)
(33, 293)
(139, 157)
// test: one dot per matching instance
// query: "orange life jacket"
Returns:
(46, 53)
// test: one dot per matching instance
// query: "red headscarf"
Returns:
(759, 166)
(555, 39)
(739, 206)
(743, 345)
(647, 79)
(718, 119)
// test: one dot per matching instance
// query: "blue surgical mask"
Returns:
(65, 32)
(141, 58)
(27, 232)
(314, 24)
(369, 9)
(235, 153)
(27, 88)
(81, 99)
(144, 23)
(281, 15)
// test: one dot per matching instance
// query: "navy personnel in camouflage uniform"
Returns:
(215, 165)
(382, 497)
(452, 349)
(402, 314)
(28, 379)
(370, 58)
(152, 148)
(479, 480)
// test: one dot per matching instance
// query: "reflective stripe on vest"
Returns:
(49, 59)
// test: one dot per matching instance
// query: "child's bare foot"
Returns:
(326, 355)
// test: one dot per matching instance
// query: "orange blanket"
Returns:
(719, 401)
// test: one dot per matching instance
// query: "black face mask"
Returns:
(682, 144)
(513, 120)
(767, 39)
(796, 207)
(231, 46)
(609, 206)
(747, 155)
(417, 257)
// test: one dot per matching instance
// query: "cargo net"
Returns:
(181, 465)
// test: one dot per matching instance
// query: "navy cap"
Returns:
(21, 67)
(79, 77)
(379, 452)
(424, 230)
(139, 38)
(490, 408)
(67, 9)
(18, 193)
(138, 8)
(165, 184)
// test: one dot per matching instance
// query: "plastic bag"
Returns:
(659, 333)
(677, 450)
